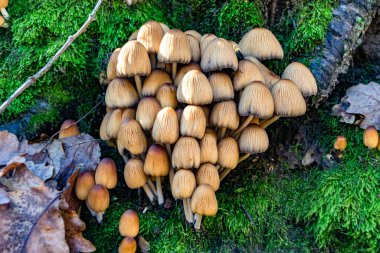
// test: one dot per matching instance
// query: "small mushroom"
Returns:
(208, 174)
(194, 89)
(69, 128)
(340, 143)
(194, 47)
(224, 116)
(121, 94)
(195, 34)
(186, 153)
(208, 147)
(132, 138)
(147, 111)
(166, 127)
(183, 187)
(3, 5)
(154, 81)
(269, 76)
(114, 123)
(219, 55)
(129, 224)
(84, 182)
(221, 86)
(193, 122)
(164, 27)
(253, 140)
(247, 73)
(205, 40)
(370, 137)
(167, 96)
(112, 63)
(302, 77)
(106, 173)
(183, 71)
(203, 202)
(98, 200)
(150, 36)
(128, 245)
(228, 155)
(103, 127)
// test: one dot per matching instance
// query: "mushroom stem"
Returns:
(243, 126)
(93, 213)
(255, 120)
(152, 57)
(148, 192)
(99, 217)
(151, 185)
(243, 157)
(186, 211)
(221, 132)
(189, 207)
(224, 174)
(174, 70)
(160, 196)
(138, 85)
(268, 122)
(5, 13)
(198, 222)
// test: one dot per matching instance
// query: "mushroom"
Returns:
(221, 86)
(103, 127)
(113, 123)
(203, 202)
(133, 61)
(208, 147)
(98, 200)
(112, 63)
(131, 137)
(84, 182)
(186, 153)
(270, 78)
(164, 27)
(69, 128)
(154, 81)
(128, 245)
(195, 34)
(129, 224)
(193, 122)
(228, 155)
(183, 187)
(147, 111)
(208, 174)
(3, 5)
(194, 89)
(167, 96)
(3, 24)
(183, 71)
(224, 115)
(253, 140)
(166, 128)
(340, 143)
(301, 76)
(205, 40)
(219, 55)
(121, 94)
(195, 50)
(106, 173)
(150, 35)
(246, 74)
(370, 137)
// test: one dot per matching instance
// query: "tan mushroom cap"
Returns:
(134, 175)
(150, 35)
(147, 111)
(114, 123)
(133, 36)
(256, 100)
(131, 137)
(234, 45)
(128, 245)
(133, 60)
(103, 127)
(195, 34)
(206, 39)
(370, 137)
(157, 161)
(84, 182)
(4, 3)
(208, 174)
(219, 55)
(129, 224)
(183, 184)
(186, 153)
(221, 85)
(98, 198)
(167, 96)
(261, 44)
(106, 173)
(68, 129)
(301, 76)
(224, 114)
(164, 27)
(193, 122)
(154, 81)
(195, 49)
(228, 153)
(203, 201)
(269, 76)
(183, 71)
(340, 143)
(121, 94)
(288, 99)
(174, 48)
(208, 147)
(112, 63)
(194, 89)
(253, 140)
(128, 113)
(166, 126)
(246, 74)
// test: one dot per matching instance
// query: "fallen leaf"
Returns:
(8, 146)
(69, 195)
(4, 199)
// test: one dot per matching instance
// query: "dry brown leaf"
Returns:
(8, 146)
(69, 195)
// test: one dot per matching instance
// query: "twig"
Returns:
(247, 214)
(33, 79)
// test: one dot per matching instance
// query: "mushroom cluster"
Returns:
(190, 107)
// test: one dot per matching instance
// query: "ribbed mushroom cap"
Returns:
(121, 94)
(103, 127)
(183, 184)
(147, 111)
(114, 123)
(288, 100)
(206, 39)
(128, 114)
(134, 175)
(129, 224)
(167, 96)
(224, 114)
(301, 76)
(195, 49)
(164, 27)
(208, 147)
(174, 47)
(133, 36)
(246, 74)
(261, 44)
(133, 60)
(195, 34)
(157, 161)
(208, 174)
(150, 35)
(203, 201)
(228, 153)
(84, 182)
(370, 137)
(106, 173)
(154, 81)
(166, 126)
(68, 128)
(193, 121)
(131, 137)
(256, 100)
(221, 85)
(269, 76)
(207, 113)
(98, 198)
(183, 71)
(186, 153)
(219, 55)
(253, 140)
(128, 245)
(112, 63)
(194, 89)
(340, 143)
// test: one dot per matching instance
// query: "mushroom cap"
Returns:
(133, 60)
(121, 94)
(84, 182)
(256, 100)
(221, 86)
(208, 174)
(150, 35)
(302, 77)
(269, 76)
(167, 95)
(203, 201)
(166, 126)
(183, 71)
(164, 27)
(208, 147)
(219, 55)
(71, 129)
(195, 49)
(106, 173)
(103, 127)
(129, 224)
(128, 113)
(186, 153)
(261, 44)
(340, 143)
(157, 161)
(183, 184)
(246, 74)
(235, 46)
(147, 111)
(370, 137)
(4, 3)
(174, 48)
(224, 114)
(114, 122)
(134, 175)
(193, 121)
(205, 40)
(128, 245)
(228, 153)
(98, 198)
(253, 140)
(131, 137)
(194, 89)
(112, 63)
(2, 21)
(288, 99)
(195, 34)
(133, 36)
(154, 81)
